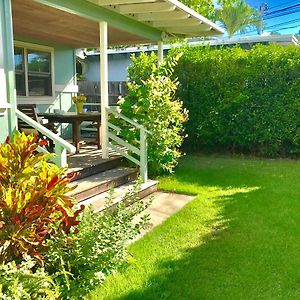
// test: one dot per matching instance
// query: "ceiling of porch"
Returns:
(39, 22)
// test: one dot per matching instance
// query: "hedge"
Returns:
(244, 101)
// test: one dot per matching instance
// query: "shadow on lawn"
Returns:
(248, 249)
(207, 271)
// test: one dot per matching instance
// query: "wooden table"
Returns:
(76, 119)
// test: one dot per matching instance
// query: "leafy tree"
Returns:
(236, 16)
(203, 7)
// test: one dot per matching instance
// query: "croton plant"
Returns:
(34, 204)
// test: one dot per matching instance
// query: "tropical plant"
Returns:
(33, 201)
(79, 99)
(237, 16)
(152, 102)
(99, 248)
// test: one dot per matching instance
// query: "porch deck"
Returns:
(89, 161)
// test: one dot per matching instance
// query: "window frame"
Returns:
(36, 99)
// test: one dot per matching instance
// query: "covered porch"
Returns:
(37, 55)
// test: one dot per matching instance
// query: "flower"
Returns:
(79, 99)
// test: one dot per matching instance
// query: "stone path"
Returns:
(163, 206)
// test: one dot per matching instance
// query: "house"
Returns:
(119, 58)
(38, 39)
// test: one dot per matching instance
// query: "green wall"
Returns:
(4, 128)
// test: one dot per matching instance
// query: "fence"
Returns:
(91, 89)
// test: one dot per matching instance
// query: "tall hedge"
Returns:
(242, 100)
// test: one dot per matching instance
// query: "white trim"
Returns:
(104, 87)
(37, 99)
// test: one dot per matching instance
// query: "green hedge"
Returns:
(242, 100)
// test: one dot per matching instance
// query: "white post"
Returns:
(104, 88)
(160, 52)
(61, 156)
(143, 155)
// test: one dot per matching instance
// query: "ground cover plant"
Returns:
(242, 100)
(239, 238)
(49, 248)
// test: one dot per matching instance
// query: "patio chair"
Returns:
(31, 111)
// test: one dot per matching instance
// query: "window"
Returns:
(33, 69)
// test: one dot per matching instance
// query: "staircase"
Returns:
(95, 181)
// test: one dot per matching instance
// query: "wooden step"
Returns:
(104, 165)
(102, 182)
(98, 201)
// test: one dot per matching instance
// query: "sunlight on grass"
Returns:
(238, 239)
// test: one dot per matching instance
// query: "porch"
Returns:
(42, 69)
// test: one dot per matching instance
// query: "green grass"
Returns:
(239, 238)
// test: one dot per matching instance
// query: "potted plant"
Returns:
(79, 100)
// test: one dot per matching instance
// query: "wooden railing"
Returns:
(116, 142)
(61, 146)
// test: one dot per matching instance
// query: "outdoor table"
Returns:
(76, 119)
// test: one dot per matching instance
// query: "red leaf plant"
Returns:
(34, 201)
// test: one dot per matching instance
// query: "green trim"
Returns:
(97, 13)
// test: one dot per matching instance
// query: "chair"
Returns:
(31, 111)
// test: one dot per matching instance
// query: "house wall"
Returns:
(65, 86)
(117, 67)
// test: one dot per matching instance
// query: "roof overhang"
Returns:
(171, 17)
(76, 23)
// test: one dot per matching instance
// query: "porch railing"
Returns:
(60, 145)
(140, 151)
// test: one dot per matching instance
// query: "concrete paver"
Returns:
(163, 206)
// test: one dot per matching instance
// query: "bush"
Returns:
(242, 100)
(33, 201)
(99, 248)
(152, 103)
(25, 281)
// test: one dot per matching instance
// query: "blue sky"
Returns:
(290, 19)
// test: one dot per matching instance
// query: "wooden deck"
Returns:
(89, 159)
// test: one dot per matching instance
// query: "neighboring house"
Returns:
(119, 59)
(38, 39)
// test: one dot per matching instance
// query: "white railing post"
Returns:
(61, 156)
(104, 88)
(143, 156)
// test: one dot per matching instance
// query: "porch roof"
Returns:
(75, 23)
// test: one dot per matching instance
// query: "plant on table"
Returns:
(79, 100)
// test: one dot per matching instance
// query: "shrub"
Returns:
(85, 258)
(242, 100)
(151, 102)
(33, 201)
(25, 281)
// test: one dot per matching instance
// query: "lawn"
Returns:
(238, 239)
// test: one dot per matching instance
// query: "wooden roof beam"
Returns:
(188, 29)
(119, 2)
(148, 7)
(161, 16)
(172, 23)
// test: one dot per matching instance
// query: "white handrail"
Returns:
(114, 111)
(141, 152)
(60, 145)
